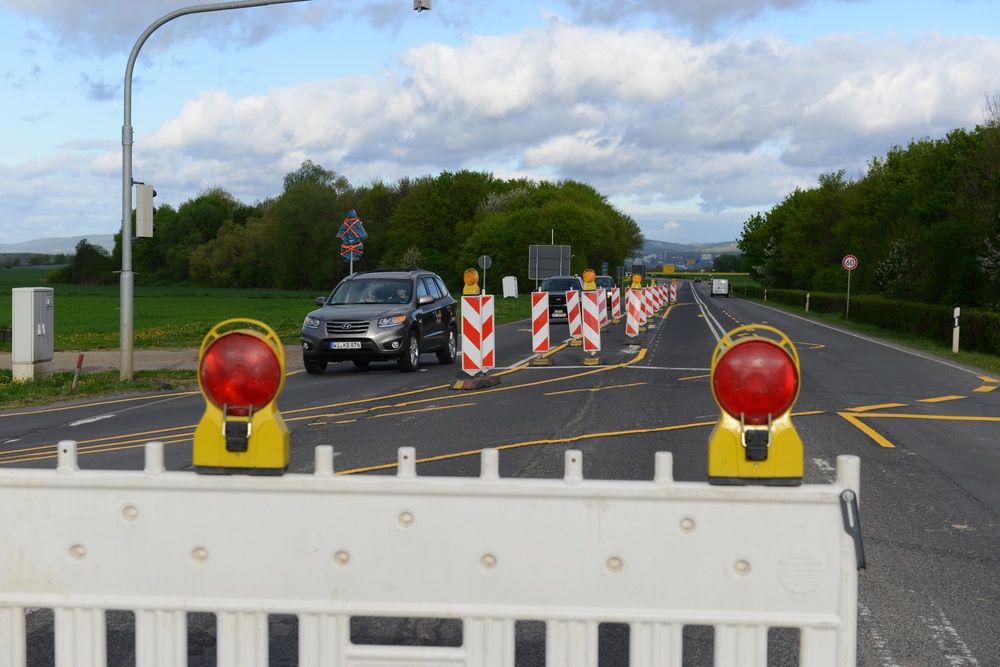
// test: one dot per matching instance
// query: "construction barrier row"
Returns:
(587, 315)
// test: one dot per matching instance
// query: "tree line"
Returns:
(443, 223)
(923, 222)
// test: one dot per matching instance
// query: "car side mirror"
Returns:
(425, 299)
(321, 301)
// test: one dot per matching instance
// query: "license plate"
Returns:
(558, 313)
(346, 345)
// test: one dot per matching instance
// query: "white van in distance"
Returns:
(720, 287)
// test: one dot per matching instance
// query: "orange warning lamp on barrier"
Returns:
(471, 279)
(755, 381)
(241, 372)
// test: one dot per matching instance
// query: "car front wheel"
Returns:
(410, 361)
(448, 353)
(314, 367)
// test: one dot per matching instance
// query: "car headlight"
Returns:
(311, 323)
(393, 321)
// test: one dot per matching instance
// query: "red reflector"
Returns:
(239, 371)
(755, 378)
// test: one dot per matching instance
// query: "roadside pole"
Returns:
(850, 262)
(127, 279)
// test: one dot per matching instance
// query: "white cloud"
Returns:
(734, 124)
(686, 133)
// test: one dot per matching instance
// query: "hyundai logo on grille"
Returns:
(345, 326)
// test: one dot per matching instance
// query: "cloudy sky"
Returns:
(689, 115)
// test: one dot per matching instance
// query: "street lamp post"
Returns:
(127, 280)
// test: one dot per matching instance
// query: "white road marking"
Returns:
(91, 420)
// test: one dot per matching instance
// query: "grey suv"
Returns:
(382, 315)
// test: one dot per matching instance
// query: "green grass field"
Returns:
(87, 317)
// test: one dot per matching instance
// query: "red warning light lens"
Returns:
(755, 378)
(239, 371)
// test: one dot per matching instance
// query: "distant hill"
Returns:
(666, 251)
(67, 245)
(57, 245)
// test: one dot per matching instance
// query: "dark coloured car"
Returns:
(557, 286)
(381, 316)
(606, 283)
(697, 279)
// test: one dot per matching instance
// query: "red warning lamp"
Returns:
(240, 373)
(756, 379)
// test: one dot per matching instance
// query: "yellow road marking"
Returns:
(430, 409)
(944, 418)
(940, 399)
(89, 405)
(865, 408)
(596, 389)
(531, 443)
(867, 430)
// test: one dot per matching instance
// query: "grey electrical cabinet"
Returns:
(32, 335)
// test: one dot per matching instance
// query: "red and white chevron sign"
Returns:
(573, 313)
(616, 303)
(478, 335)
(634, 313)
(539, 322)
(593, 304)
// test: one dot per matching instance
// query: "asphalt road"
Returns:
(924, 428)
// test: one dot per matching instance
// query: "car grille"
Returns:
(346, 327)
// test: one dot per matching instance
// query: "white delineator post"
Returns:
(954, 332)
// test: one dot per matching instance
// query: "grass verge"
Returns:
(59, 387)
(985, 362)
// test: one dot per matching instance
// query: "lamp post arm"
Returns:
(127, 279)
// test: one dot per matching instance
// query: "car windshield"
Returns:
(560, 285)
(604, 281)
(374, 290)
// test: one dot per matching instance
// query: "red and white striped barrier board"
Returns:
(647, 300)
(593, 304)
(616, 303)
(673, 294)
(478, 335)
(573, 313)
(654, 294)
(634, 311)
(539, 322)
(604, 301)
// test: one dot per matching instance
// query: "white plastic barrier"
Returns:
(571, 552)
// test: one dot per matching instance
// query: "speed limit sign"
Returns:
(850, 262)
